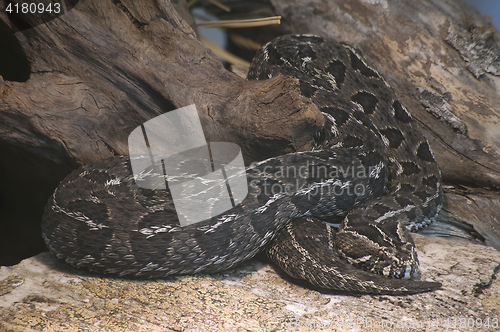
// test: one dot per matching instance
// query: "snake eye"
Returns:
(382, 255)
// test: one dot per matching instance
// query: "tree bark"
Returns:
(106, 67)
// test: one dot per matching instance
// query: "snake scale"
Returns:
(342, 223)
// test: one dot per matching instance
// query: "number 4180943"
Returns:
(470, 323)
(33, 8)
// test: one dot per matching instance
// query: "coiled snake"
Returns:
(371, 173)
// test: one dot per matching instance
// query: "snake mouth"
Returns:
(408, 272)
(392, 264)
(403, 268)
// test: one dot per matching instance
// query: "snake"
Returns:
(339, 216)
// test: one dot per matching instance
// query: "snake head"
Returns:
(385, 248)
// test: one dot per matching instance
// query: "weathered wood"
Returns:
(103, 69)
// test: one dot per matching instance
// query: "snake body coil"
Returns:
(371, 173)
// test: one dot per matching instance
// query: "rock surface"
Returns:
(41, 294)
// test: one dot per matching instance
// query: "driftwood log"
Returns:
(105, 67)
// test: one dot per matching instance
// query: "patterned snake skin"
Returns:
(337, 216)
